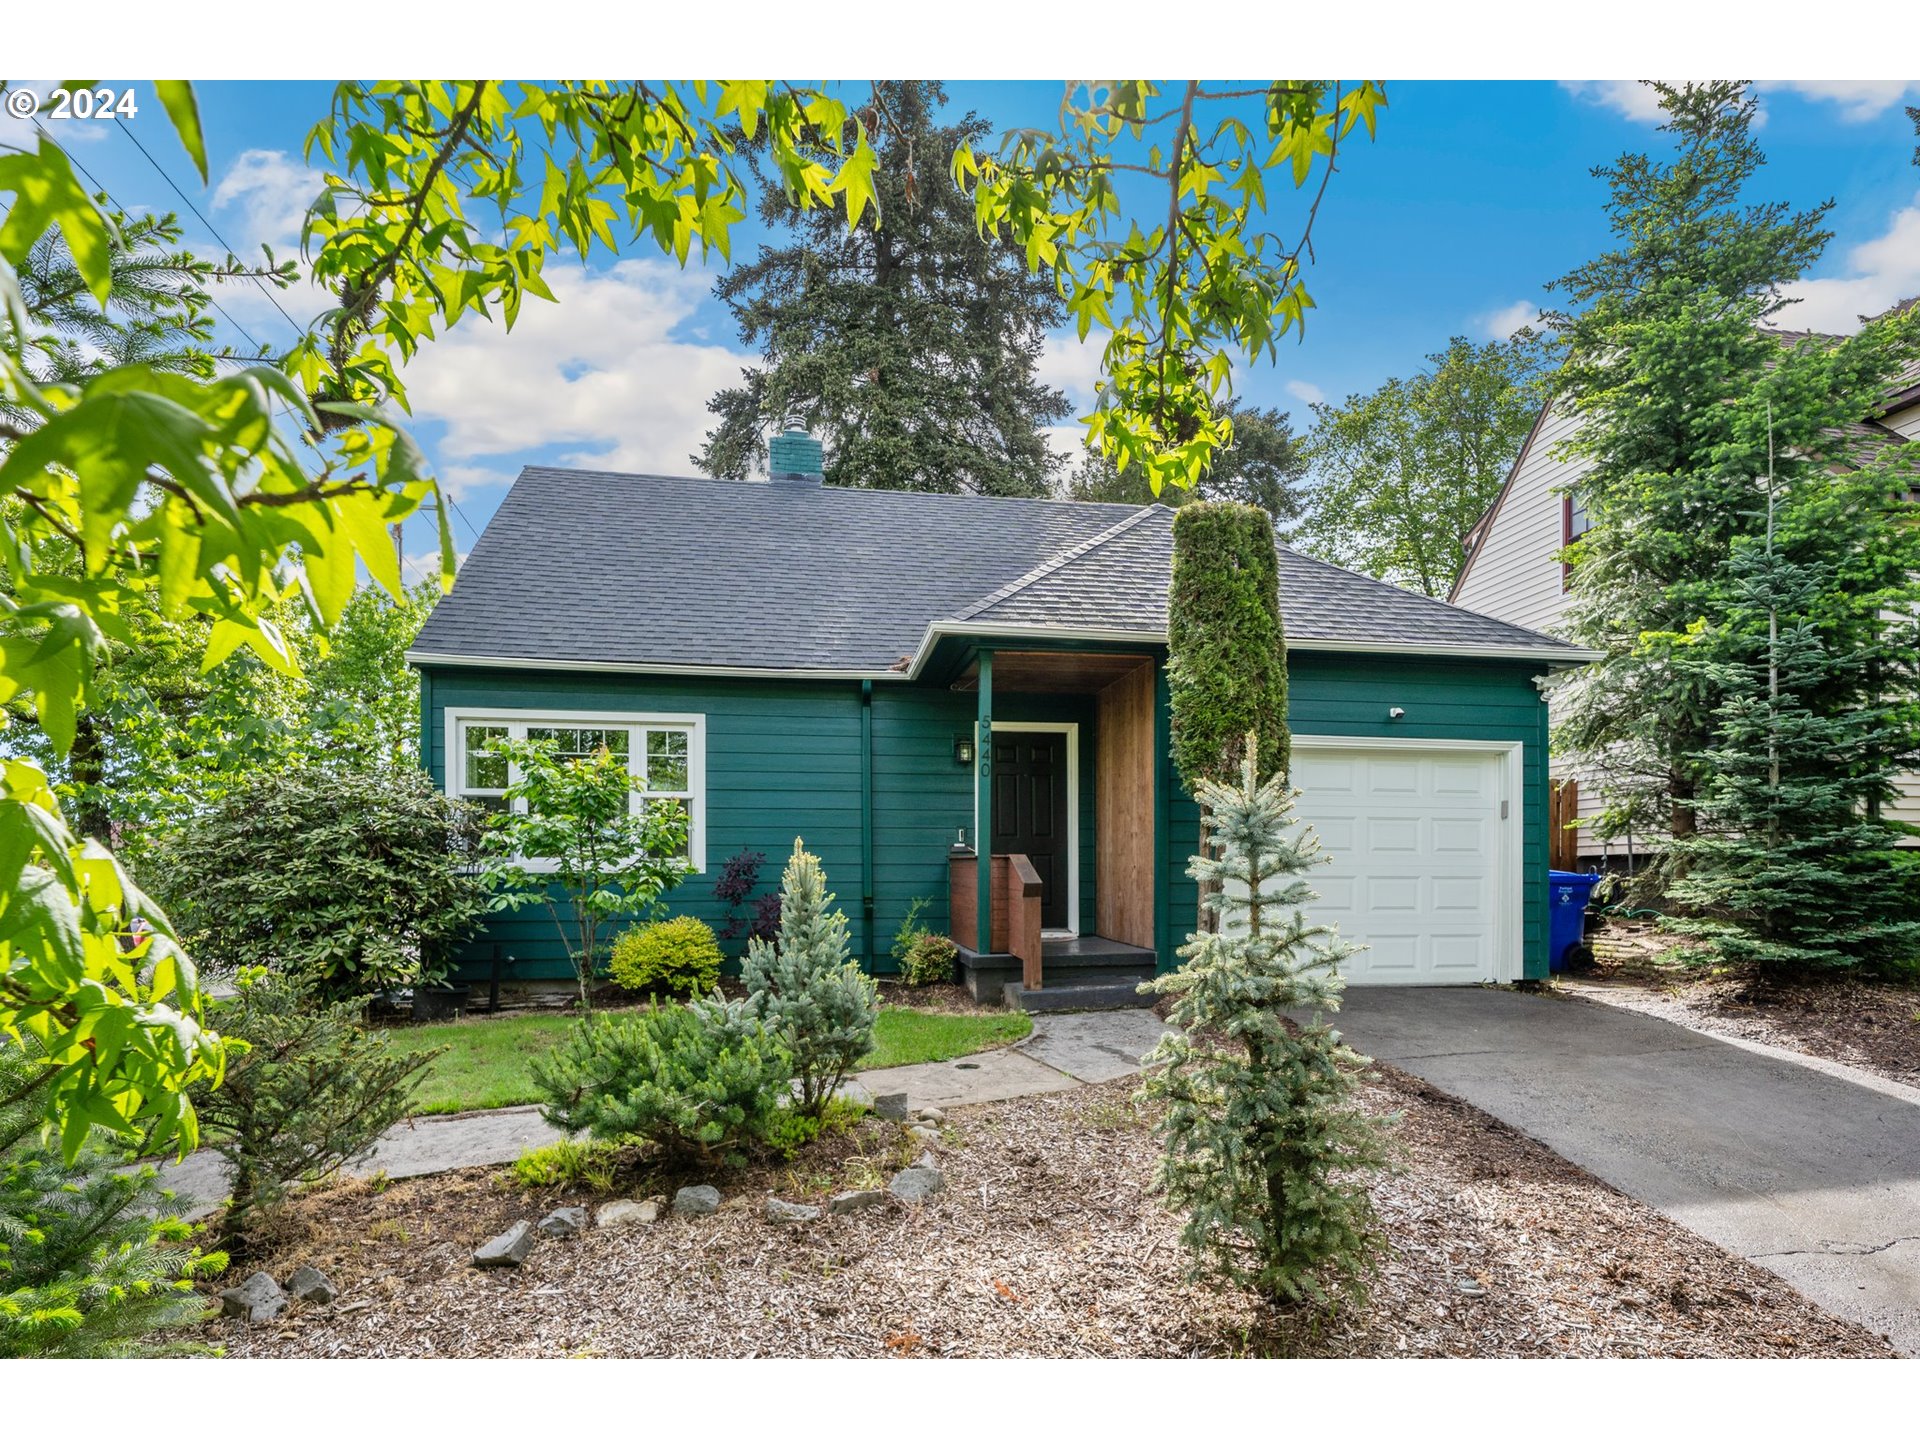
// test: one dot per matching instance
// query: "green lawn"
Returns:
(485, 1065)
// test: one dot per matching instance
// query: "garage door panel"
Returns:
(1392, 835)
(1413, 842)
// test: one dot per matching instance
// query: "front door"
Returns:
(1030, 811)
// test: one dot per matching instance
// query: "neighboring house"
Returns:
(884, 674)
(1513, 569)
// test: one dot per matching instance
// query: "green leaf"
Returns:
(45, 194)
(183, 108)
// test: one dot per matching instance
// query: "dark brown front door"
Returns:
(1030, 811)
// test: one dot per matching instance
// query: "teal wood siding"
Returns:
(1331, 694)
(784, 760)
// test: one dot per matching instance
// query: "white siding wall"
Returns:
(1515, 574)
(1906, 421)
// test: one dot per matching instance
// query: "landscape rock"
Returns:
(782, 1212)
(923, 1132)
(568, 1220)
(927, 1161)
(508, 1248)
(917, 1183)
(696, 1200)
(627, 1212)
(257, 1300)
(891, 1107)
(855, 1200)
(931, 1115)
(311, 1285)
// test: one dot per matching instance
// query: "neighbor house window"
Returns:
(665, 753)
(1573, 524)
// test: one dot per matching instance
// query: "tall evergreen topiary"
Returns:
(807, 990)
(1227, 649)
(1264, 1146)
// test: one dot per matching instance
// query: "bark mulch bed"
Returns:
(1871, 1024)
(1045, 1244)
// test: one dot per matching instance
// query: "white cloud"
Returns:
(1071, 365)
(1858, 100)
(1634, 99)
(1880, 272)
(1069, 442)
(600, 372)
(1306, 390)
(271, 191)
(1508, 320)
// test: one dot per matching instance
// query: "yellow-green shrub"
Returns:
(680, 956)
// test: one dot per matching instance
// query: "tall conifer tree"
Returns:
(910, 349)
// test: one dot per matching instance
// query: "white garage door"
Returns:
(1418, 871)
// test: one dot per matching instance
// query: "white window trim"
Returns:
(517, 722)
(1070, 729)
(1507, 861)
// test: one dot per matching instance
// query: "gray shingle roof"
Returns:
(592, 568)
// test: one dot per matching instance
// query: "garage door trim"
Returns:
(1509, 957)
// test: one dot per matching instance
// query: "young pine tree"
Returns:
(94, 1259)
(1791, 865)
(806, 989)
(1264, 1146)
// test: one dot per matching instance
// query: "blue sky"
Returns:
(1474, 195)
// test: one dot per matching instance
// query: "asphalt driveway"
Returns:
(1811, 1175)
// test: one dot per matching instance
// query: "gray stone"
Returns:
(696, 1200)
(508, 1248)
(310, 1285)
(782, 1212)
(257, 1300)
(931, 1115)
(627, 1212)
(916, 1183)
(927, 1161)
(1470, 1287)
(568, 1220)
(891, 1107)
(855, 1200)
(923, 1132)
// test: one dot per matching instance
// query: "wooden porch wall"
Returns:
(1123, 791)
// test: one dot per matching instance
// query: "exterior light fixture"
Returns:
(963, 750)
(1395, 712)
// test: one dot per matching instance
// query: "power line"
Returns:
(298, 329)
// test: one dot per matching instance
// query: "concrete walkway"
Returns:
(1063, 1053)
(1810, 1173)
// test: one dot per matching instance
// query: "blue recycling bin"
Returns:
(1567, 896)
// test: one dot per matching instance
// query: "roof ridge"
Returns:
(1059, 501)
(1057, 563)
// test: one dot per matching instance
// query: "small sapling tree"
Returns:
(571, 839)
(1263, 1144)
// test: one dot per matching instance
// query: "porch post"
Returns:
(983, 804)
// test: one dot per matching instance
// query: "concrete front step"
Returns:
(1106, 995)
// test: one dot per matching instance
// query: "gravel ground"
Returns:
(1871, 1024)
(1045, 1244)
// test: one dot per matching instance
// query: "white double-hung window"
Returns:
(667, 754)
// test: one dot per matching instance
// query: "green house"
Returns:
(891, 676)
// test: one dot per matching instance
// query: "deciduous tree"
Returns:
(1402, 473)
